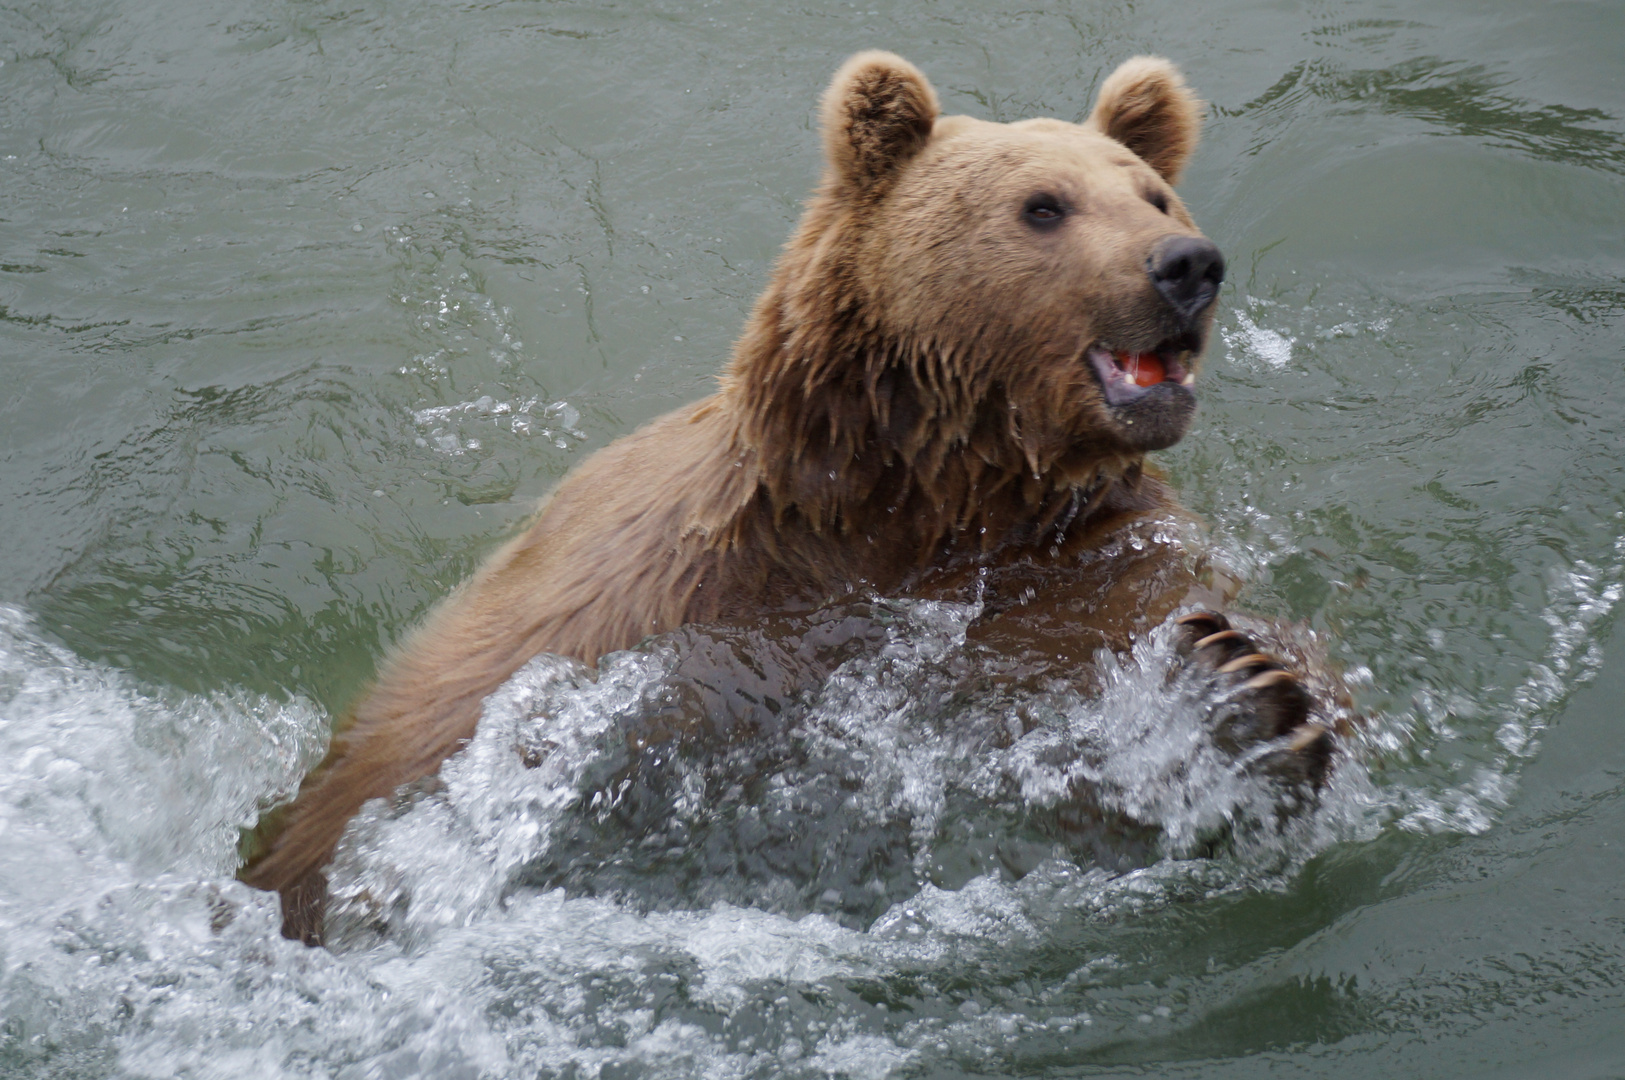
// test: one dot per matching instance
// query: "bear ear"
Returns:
(876, 114)
(1146, 106)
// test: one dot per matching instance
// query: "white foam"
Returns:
(446, 424)
(158, 781)
(1253, 344)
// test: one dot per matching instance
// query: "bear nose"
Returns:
(1187, 271)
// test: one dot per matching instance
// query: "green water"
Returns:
(303, 304)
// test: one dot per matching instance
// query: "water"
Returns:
(302, 306)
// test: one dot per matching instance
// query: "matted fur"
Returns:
(907, 411)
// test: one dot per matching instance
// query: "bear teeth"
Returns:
(1121, 371)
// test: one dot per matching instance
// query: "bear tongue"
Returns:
(1143, 368)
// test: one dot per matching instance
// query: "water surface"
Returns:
(302, 306)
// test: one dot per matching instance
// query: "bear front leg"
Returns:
(1263, 713)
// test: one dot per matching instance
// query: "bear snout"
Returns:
(1187, 271)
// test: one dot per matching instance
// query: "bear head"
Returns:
(1029, 297)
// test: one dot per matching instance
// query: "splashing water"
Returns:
(678, 864)
(593, 885)
(1256, 345)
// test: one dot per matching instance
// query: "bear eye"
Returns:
(1157, 199)
(1043, 209)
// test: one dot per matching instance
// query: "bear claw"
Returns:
(1261, 701)
(1211, 621)
(1243, 663)
(1222, 637)
(1306, 736)
(1274, 677)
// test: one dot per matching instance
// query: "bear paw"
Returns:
(1262, 711)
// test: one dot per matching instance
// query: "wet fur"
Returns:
(906, 412)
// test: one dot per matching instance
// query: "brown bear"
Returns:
(947, 390)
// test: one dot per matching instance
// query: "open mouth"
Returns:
(1125, 375)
